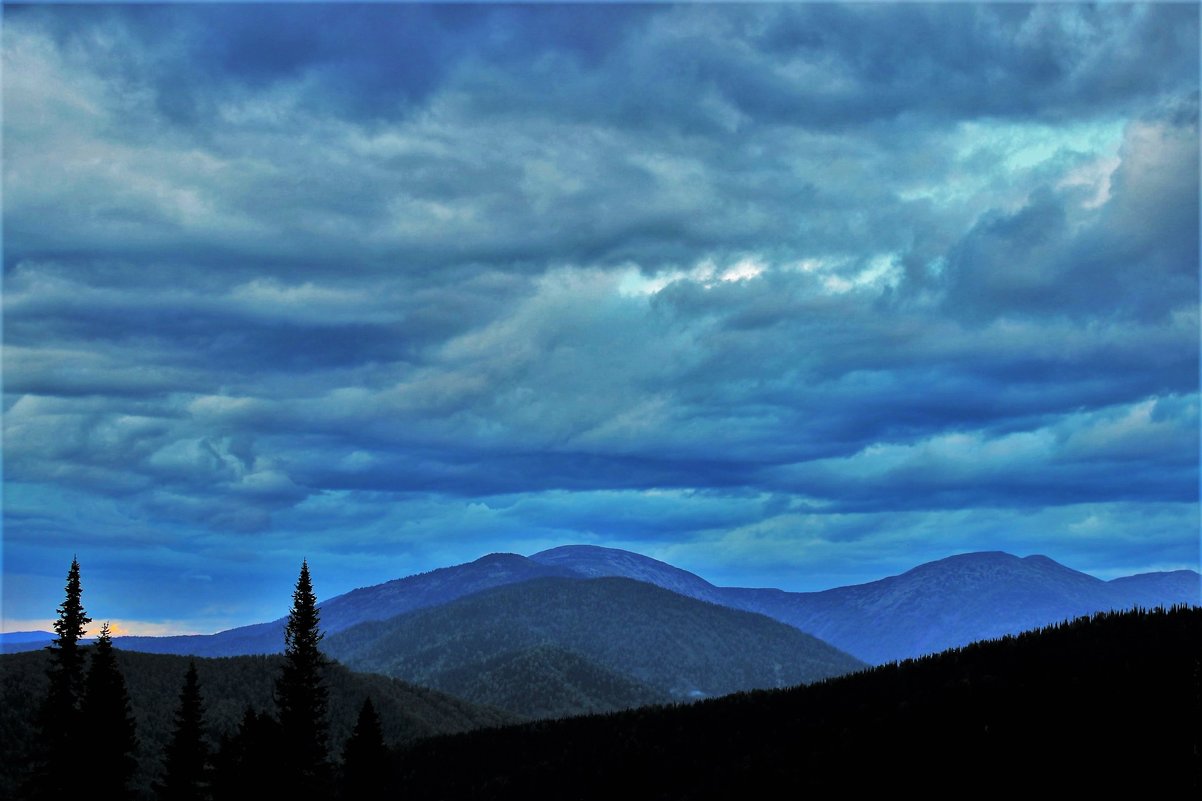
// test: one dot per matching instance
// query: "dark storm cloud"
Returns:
(749, 285)
(1000, 60)
(533, 118)
(890, 59)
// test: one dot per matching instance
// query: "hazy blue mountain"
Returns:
(941, 604)
(378, 602)
(1156, 589)
(396, 597)
(14, 641)
(678, 646)
(596, 562)
(959, 600)
(259, 638)
(937, 605)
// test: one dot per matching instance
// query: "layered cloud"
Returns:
(773, 291)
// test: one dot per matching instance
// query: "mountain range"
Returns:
(936, 605)
(580, 629)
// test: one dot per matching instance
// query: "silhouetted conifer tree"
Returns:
(57, 772)
(110, 737)
(185, 761)
(364, 758)
(248, 764)
(302, 698)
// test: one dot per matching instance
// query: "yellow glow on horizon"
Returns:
(118, 628)
(147, 628)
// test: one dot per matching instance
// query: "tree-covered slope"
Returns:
(545, 681)
(1108, 706)
(676, 645)
(228, 686)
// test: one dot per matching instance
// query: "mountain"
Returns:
(950, 602)
(1107, 706)
(14, 641)
(1158, 589)
(228, 686)
(956, 601)
(377, 602)
(677, 646)
(596, 562)
(937, 605)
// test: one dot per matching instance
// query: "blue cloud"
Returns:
(722, 283)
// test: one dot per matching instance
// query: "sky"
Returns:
(786, 295)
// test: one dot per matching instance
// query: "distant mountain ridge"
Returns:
(595, 562)
(22, 637)
(936, 605)
(377, 602)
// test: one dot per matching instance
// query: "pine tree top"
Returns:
(191, 705)
(302, 698)
(368, 724)
(301, 634)
(191, 680)
(71, 617)
(105, 684)
(104, 642)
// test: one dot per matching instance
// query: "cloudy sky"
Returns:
(790, 296)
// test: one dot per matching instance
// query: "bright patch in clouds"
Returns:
(706, 274)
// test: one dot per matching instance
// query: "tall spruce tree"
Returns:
(185, 761)
(365, 758)
(301, 697)
(248, 763)
(58, 767)
(110, 738)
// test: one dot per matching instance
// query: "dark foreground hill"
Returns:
(545, 681)
(1111, 705)
(228, 686)
(620, 635)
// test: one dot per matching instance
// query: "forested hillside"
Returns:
(1106, 704)
(677, 647)
(228, 686)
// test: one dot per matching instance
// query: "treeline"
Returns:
(1110, 704)
(85, 719)
(229, 685)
